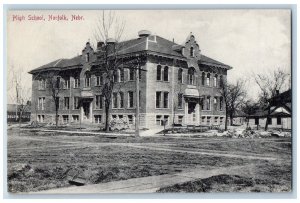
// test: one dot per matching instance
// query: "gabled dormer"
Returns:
(191, 48)
(87, 54)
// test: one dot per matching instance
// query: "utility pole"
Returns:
(137, 112)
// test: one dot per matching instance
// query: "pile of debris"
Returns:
(242, 133)
(118, 125)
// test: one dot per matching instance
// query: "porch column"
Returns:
(197, 113)
(91, 111)
(186, 106)
(81, 113)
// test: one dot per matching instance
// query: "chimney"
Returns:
(144, 33)
(110, 43)
(100, 45)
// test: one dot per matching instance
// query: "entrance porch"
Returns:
(192, 107)
(86, 110)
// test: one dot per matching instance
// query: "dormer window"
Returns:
(87, 57)
(192, 52)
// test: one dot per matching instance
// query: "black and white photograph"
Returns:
(116, 101)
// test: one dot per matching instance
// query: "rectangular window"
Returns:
(41, 118)
(130, 119)
(221, 120)
(221, 104)
(158, 120)
(114, 116)
(87, 82)
(121, 75)
(115, 100)
(131, 74)
(278, 120)
(115, 76)
(58, 84)
(256, 121)
(202, 103)
(65, 118)
(41, 103)
(180, 103)
(269, 121)
(67, 84)
(42, 84)
(57, 102)
(99, 100)
(121, 100)
(215, 103)
(75, 118)
(98, 118)
(203, 119)
(216, 120)
(98, 80)
(180, 119)
(66, 102)
(208, 103)
(166, 99)
(76, 82)
(130, 99)
(208, 120)
(76, 103)
(158, 99)
(120, 116)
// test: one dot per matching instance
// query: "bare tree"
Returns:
(269, 85)
(54, 84)
(233, 95)
(107, 25)
(20, 96)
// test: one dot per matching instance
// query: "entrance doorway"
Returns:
(86, 110)
(192, 120)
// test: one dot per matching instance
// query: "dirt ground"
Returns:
(39, 161)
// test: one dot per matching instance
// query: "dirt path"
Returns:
(150, 146)
(152, 183)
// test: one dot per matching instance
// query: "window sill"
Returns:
(162, 81)
(162, 108)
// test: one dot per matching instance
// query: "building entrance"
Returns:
(192, 116)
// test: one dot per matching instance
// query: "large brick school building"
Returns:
(179, 85)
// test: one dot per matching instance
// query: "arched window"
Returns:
(215, 80)
(221, 81)
(203, 79)
(191, 76)
(158, 73)
(180, 76)
(208, 79)
(166, 73)
(87, 57)
(192, 52)
(87, 79)
(121, 74)
(208, 103)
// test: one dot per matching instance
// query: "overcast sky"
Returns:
(251, 41)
